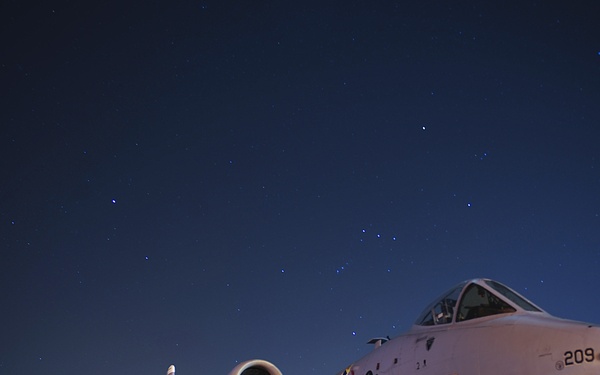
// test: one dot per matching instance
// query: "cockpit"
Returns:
(471, 300)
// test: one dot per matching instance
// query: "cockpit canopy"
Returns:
(478, 298)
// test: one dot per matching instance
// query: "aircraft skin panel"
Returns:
(489, 351)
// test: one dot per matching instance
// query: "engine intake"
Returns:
(255, 367)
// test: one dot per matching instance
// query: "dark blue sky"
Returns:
(206, 182)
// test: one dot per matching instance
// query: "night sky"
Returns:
(205, 182)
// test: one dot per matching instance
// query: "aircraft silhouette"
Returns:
(479, 327)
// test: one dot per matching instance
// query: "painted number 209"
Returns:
(579, 356)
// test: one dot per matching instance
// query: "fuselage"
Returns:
(483, 328)
(479, 327)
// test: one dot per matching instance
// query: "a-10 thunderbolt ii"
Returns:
(479, 327)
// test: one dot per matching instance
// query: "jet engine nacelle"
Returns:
(255, 367)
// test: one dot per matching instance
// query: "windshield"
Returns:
(478, 302)
(506, 292)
